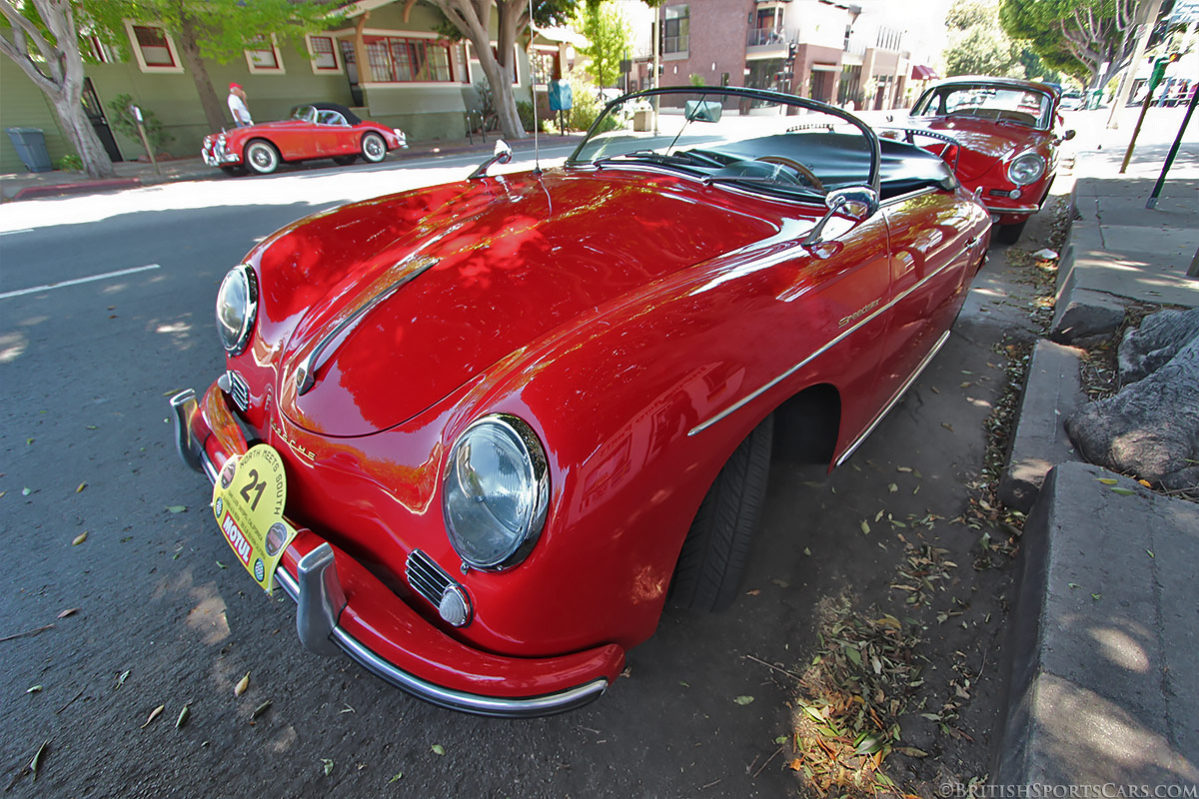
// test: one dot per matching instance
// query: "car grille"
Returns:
(239, 392)
(426, 577)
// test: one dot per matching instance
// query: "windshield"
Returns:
(752, 140)
(304, 113)
(1001, 103)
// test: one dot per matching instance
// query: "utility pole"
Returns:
(1151, 8)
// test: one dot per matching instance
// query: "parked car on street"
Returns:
(489, 428)
(1009, 132)
(314, 130)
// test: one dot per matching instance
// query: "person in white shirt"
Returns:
(237, 106)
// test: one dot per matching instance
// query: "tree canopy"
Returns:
(608, 39)
(977, 43)
(1090, 40)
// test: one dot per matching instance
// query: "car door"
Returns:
(332, 133)
(936, 243)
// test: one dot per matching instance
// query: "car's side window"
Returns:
(327, 117)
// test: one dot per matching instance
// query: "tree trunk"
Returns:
(509, 24)
(60, 76)
(473, 22)
(189, 47)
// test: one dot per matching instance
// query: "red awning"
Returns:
(921, 72)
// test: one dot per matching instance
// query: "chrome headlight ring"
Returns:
(1026, 168)
(495, 492)
(237, 308)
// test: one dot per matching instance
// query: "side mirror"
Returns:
(501, 155)
(1068, 135)
(856, 202)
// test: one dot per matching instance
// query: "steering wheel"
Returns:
(803, 171)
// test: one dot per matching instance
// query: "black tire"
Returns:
(261, 157)
(344, 160)
(374, 149)
(717, 547)
(1008, 234)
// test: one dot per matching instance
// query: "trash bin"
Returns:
(30, 144)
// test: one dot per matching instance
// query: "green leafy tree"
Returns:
(122, 120)
(42, 38)
(1077, 37)
(977, 43)
(609, 40)
(471, 20)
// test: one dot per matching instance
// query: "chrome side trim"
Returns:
(998, 209)
(895, 399)
(840, 337)
(444, 697)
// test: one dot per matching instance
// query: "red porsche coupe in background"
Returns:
(1009, 132)
(317, 130)
(482, 432)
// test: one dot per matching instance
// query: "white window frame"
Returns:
(472, 60)
(337, 68)
(280, 69)
(177, 69)
(433, 84)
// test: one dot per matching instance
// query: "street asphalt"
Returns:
(1103, 688)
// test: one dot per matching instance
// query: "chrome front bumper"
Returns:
(320, 600)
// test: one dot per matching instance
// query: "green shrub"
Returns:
(122, 120)
(524, 110)
(69, 163)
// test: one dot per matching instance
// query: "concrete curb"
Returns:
(81, 187)
(1053, 391)
(1105, 630)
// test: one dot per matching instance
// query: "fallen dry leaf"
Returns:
(62, 614)
(242, 685)
(183, 716)
(79, 539)
(82, 486)
(153, 715)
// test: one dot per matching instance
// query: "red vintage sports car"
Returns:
(481, 432)
(316, 130)
(1009, 132)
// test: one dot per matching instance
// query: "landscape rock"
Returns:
(1151, 427)
(1146, 349)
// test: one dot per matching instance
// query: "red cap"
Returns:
(234, 86)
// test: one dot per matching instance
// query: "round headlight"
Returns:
(236, 307)
(1025, 169)
(496, 492)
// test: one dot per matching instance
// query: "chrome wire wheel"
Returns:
(374, 149)
(262, 157)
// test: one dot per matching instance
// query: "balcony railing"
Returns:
(765, 36)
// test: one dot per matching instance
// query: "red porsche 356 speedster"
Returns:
(1009, 132)
(482, 432)
(315, 130)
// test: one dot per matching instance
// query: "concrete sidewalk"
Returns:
(131, 174)
(1103, 687)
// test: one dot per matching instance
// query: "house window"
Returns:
(153, 48)
(99, 50)
(676, 29)
(403, 60)
(156, 50)
(264, 56)
(547, 65)
(324, 54)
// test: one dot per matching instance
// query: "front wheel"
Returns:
(1008, 234)
(716, 549)
(374, 149)
(262, 157)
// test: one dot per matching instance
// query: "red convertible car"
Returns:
(316, 130)
(481, 432)
(1009, 132)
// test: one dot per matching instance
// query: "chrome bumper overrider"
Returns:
(320, 600)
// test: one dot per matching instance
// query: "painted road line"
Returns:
(63, 284)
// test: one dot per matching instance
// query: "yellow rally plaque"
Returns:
(248, 501)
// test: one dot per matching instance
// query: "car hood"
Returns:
(985, 143)
(431, 288)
